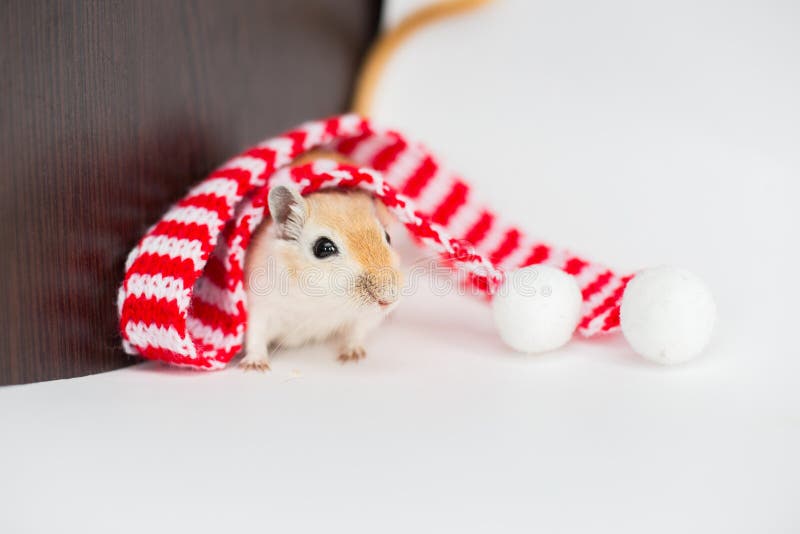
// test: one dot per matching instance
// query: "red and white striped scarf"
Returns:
(183, 299)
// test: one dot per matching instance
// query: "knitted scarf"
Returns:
(183, 300)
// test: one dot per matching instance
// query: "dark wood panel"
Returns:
(108, 112)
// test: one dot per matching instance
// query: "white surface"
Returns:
(641, 133)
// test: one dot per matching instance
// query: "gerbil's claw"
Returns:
(254, 364)
(353, 355)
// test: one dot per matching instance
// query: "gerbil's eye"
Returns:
(324, 248)
(388, 239)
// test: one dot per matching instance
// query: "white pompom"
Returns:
(537, 308)
(667, 314)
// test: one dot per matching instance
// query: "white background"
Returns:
(637, 133)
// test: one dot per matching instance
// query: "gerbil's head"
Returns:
(334, 244)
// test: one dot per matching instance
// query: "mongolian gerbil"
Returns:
(321, 268)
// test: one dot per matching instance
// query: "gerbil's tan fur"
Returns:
(314, 155)
(351, 214)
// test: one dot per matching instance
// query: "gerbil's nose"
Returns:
(383, 285)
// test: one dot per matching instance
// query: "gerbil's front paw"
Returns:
(353, 355)
(255, 362)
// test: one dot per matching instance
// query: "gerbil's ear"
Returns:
(288, 210)
(384, 215)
